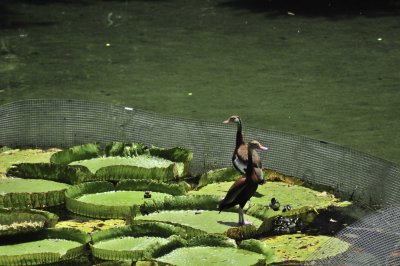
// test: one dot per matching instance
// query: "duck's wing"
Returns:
(257, 176)
(232, 194)
(239, 158)
(256, 160)
(239, 164)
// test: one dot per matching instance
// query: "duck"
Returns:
(240, 153)
(244, 187)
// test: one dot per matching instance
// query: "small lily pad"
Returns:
(31, 193)
(298, 247)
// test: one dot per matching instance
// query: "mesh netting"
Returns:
(62, 123)
(375, 240)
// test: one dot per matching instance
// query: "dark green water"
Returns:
(325, 69)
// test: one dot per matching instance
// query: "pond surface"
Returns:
(326, 69)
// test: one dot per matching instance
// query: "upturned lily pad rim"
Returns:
(21, 221)
(260, 261)
(33, 199)
(192, 221)
(175, 237)
(47, 256)
(102, 211)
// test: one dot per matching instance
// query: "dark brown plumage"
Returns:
(245, 187)
(240, 153)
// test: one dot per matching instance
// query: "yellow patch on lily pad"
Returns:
(91, 226)
(298, 247)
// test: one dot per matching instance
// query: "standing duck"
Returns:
(245, 187)
(240, 153)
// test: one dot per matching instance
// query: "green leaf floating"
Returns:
(137, 242)
(204, 255)
(140, 167)
(15, 156)
(305, 202)
(298, 247)
(48, 246)
(31, 193)
(203, 220)
(14, 222)
(71, 174)
(102, 200)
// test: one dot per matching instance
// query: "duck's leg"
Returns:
(242, 221)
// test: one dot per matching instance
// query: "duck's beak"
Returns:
(263, 148)
(226, 121)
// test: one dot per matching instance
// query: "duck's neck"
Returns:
(239, 135)
(250, 159)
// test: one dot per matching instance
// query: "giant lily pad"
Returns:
(70, 174)
(15, 156)
(204, 255)
(176, 154)
(13, 222)
(199, 215)
(140, 167)
(203, 220)
(296, 196)
(76, 153)
(31, 193)
(102, 200)
(298, 247)
(141, 241)
(49, 246)
(304, 201)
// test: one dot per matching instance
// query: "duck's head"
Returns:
(232, 119)
(254, 144)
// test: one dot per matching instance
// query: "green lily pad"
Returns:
(119, 198)
(298, 197)
(294, 195)
(14, 222)
(140, 167)
(70, 174)
(298, 247)
(218, 175)
(10, 157)
(212, 256)
(137, 242)
(48, 246)
(102, 200)
(31, 193)
(204, 220)
(76, 153)
(116, 148)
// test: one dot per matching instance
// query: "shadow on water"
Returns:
(316, 8)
